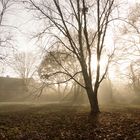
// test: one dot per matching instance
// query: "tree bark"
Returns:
(92, 93)
(92, 96)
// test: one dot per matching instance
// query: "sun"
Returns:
(103, 64)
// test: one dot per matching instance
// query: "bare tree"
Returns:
(134, 77)
(5, 35)
(130, 38)
(24, 65)
(131, 31)
(79, 26)
(52, 72)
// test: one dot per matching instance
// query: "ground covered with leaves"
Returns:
(60, 122)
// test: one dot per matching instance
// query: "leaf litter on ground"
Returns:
(58, 122)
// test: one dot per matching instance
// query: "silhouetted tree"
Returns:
(24, 65)
(5, 34)
(79, 26)
(134, 77)
(52, 72)
(130, 37)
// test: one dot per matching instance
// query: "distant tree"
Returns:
(134, 77)
(131, 32)
(89, 21)
(130, 37)
(5, 34)
(52, 72)
(24, 65)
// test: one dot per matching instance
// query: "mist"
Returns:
(14, 89)
(69, 70)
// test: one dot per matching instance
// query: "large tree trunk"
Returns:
(93, 100)
(92, 96)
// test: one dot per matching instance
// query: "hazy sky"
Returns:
(23, 20)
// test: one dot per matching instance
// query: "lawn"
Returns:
(63, 122)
